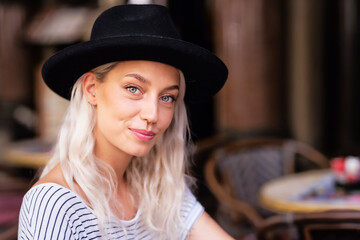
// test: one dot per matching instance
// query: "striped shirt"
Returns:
(50, 211)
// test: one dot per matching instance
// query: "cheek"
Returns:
(110, 113)
(166, 118)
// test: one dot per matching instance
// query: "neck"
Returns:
(117, 159)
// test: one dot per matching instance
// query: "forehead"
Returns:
(149, 70)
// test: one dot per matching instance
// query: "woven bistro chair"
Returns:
(235, 172)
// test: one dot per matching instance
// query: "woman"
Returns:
(118, 170)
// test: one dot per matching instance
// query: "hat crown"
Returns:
(136, 32)
(134, 20)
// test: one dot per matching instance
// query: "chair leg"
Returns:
(10, 233)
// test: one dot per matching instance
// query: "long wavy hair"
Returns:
(158, 178)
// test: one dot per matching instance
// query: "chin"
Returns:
(141, 152)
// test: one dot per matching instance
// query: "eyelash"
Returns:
(173, 99)
(132, 87)
(129, 88)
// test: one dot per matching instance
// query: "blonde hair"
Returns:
(158, 178)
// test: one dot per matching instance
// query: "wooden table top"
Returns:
(283, 195)
(31, 153)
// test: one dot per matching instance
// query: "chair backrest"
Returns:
(244, 169)
(237, 171)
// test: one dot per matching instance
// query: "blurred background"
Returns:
(293, 71)
(293, 66)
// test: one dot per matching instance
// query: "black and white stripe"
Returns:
(50, 211)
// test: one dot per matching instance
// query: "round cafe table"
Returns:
(30, 153)
(310, 191)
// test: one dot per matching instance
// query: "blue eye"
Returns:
(167, 99)
(132, 89)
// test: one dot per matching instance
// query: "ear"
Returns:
(89, 84)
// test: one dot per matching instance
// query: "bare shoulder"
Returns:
(207, 228)
(54, 176)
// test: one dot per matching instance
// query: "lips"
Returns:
(142, 134)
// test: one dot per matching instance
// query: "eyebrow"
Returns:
(138, 77)
(144, 80)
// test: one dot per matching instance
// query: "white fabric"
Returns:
(50, 211)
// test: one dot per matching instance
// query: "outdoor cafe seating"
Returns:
(283, 189)
(236, 171)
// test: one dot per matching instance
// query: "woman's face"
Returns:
(134, 106)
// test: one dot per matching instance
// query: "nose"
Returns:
(149, 110)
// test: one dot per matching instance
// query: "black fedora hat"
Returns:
(137, 32)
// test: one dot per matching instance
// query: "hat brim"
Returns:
(205, 73)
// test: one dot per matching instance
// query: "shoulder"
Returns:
(190, 202)
(49, 209)
(191, 209)
(55, 175)
(44, 195)
(198, 223)
(48, 194)
(46, 199)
